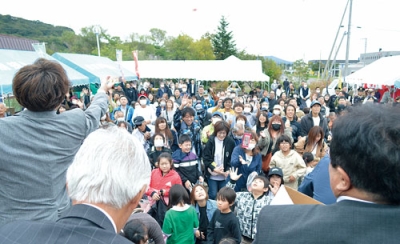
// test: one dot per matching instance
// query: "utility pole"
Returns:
(348, 42)
(334, 42)
(337, 51)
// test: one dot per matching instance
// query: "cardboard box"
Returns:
(287, 195)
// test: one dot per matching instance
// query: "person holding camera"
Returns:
(142, 132)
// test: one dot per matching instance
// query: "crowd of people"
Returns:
(183, 164)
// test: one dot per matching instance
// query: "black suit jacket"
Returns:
(80, 224)
(343, 222)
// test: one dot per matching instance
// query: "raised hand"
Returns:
(233, 174)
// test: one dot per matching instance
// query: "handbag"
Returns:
(266, 160)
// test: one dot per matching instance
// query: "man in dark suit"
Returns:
(105, 182)
(364, 177)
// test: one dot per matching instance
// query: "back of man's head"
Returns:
(41, 86)
(367, 148)
(111, 168)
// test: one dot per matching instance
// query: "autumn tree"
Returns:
(222, 41)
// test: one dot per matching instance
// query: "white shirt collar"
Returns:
(341, 198)
(105, 213)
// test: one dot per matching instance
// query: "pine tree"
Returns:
(223, 43)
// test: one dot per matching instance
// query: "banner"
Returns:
(135, 57)
(118, 53)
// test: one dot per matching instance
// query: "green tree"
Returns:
(202, 50)
(223, 43)
(157, 36)
(300, 70)
(272, 69)
(179, 48)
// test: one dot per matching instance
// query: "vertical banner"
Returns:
(135, 57)
(118, 53)
(40, 49)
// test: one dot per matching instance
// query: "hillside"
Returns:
(14, 26)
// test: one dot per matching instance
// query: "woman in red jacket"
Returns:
(162, 179)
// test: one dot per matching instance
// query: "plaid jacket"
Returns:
(248, 210)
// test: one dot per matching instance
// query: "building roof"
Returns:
(16, 43)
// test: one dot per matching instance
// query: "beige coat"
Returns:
(301, 149)
(291, 165)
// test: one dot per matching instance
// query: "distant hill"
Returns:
(29, 29)
(278, 60)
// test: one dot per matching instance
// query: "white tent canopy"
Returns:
(384, 71)
(230, 69)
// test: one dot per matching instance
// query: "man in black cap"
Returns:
(142, 132)
(314, 118)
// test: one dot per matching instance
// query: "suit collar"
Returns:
(92, 215)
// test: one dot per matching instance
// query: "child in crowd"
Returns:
(205, 209)
(157, 148)
(180, 221)
(224, 223)
(135, 231)
(249, 204)
(162, 179)
(185, 163)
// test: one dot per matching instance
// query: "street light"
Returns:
(97, 31)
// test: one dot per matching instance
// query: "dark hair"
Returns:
(226, 194)
(283, 138)
(219, 126)
(168, 132)
(154, 136)
(367, 148)
(187, 110)
(238, 105)
(184, 138)
(341, 97)
(264, 179)
(193, 192)
(308, 157)
(241, 116)
(58, 110)
(294, 108)
(167, 156)
(178, 194)
(135, 231)
(119, 123)
(226, 99)
(41, 86)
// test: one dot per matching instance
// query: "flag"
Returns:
(118, 53)
(135, 57)
(339, 85)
